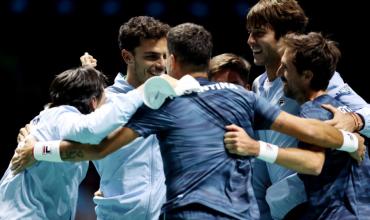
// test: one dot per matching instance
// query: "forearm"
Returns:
(310, 131)
(59, 151)
(117, 139)
(301, 160)
(74, 152)
(307, 161)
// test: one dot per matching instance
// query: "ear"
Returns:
(308, 75)
(172, 60)
(127, 56)
(247, 86)
(93, 103)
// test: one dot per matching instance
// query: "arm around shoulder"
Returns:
(308, 130)
(73, 151)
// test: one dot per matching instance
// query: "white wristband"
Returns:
(268, 152)
(47, 151)
(350, 142)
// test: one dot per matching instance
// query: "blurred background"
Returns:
(40, 39)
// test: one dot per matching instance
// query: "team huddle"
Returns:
(292, 147)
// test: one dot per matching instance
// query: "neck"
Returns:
(199, 74)
(131, 79)
(310, 95)
(196, 74)
(272, 70)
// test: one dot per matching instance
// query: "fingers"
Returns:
(16, 160)
(363, 154)
(16, 166)
(14, 163)
(28, 127)
(232, 148)
(230, 134)
(360, 158)
(19, 162)
(30, 141)
(331, 122)
(88, 60)
(20, 138)
(22, 134)
(99, 193)
(231, 137)
(18, 170)
(233, 127)
(329, 107)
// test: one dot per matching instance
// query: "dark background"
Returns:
(40, 39)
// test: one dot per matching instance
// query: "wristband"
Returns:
(268, 152)
(350, 142)
(47, 151)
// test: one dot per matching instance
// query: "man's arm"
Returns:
(68, 150)
(92, 128)
(311, 131)
(317, 133)
(73, 151)
(346, 95)
(308, 161)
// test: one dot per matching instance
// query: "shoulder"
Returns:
(335, 81)
(313, 109)
(57, 113)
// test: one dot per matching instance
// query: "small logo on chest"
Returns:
(281, 101)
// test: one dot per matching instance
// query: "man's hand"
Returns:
(360, 153)
(88, 60)
(237, 141)
(99, 193)
(23, 156)
(341, 120)
(23, 133)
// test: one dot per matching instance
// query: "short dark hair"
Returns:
(229, 61)
(283, 16)
(139, 28)
(76, 87)
(316, 53)
(191, 44)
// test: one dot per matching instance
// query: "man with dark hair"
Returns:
(228, 67)
(267, 22)
(203, 180)
(335, 184)
(131, 180)
(47, 190)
